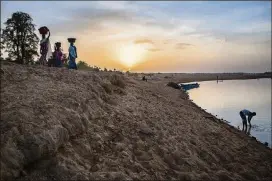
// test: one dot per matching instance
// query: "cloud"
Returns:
(151, 22)
(94, 20)
(143, 41)
(102, 16)
(241, 38)
(154, 49)
(167, 41)
(183, 45)
(120, 5)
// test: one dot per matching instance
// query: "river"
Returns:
(226, 99)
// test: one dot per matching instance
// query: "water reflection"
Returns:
(246, 129)
(227, 98)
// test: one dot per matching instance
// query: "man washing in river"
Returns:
(249, 115)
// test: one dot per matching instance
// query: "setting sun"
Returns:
(131, 54)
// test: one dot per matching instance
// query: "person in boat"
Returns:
(45, 49)
(58, 55)
(246, 116)
(72, 54)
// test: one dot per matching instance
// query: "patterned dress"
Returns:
(58, 56)
(44, 51)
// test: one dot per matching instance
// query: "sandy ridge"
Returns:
(64, 124)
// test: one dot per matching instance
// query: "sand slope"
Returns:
(65, 124)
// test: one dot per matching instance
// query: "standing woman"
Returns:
(45, 47)
(72, 54)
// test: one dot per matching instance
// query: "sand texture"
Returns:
(59, 124)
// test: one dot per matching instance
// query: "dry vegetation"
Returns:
(59, 124)
(118, 80)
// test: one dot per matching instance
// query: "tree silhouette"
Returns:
(21, 43)
(82, 64)
(2, 46)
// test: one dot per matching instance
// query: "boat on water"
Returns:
(189, 86)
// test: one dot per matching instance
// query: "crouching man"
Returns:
(246, 116)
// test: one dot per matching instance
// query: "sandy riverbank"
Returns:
(64, 124)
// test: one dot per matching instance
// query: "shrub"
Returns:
(107, 88)
(174, 85)
(117, 81)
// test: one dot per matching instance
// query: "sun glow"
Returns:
(131, 54)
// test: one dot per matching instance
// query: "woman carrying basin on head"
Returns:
(45, 47)
(72, 54)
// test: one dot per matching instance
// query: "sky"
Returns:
(158, 36)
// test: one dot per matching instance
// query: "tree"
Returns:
(2, 46)
(20, 41)
(82, 65)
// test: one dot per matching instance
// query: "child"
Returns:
(58, 55)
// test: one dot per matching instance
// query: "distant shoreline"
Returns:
(228, 79)
(198, 77)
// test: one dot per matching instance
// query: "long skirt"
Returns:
(58, 63)
(51, 62)
(72, 63)
(43, 59)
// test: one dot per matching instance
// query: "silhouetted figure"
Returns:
(144, 78)
(246, 113)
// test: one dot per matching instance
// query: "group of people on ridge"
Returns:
(55, 59)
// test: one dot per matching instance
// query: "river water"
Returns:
(226, 99)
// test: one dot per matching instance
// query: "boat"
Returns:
(189, 86)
